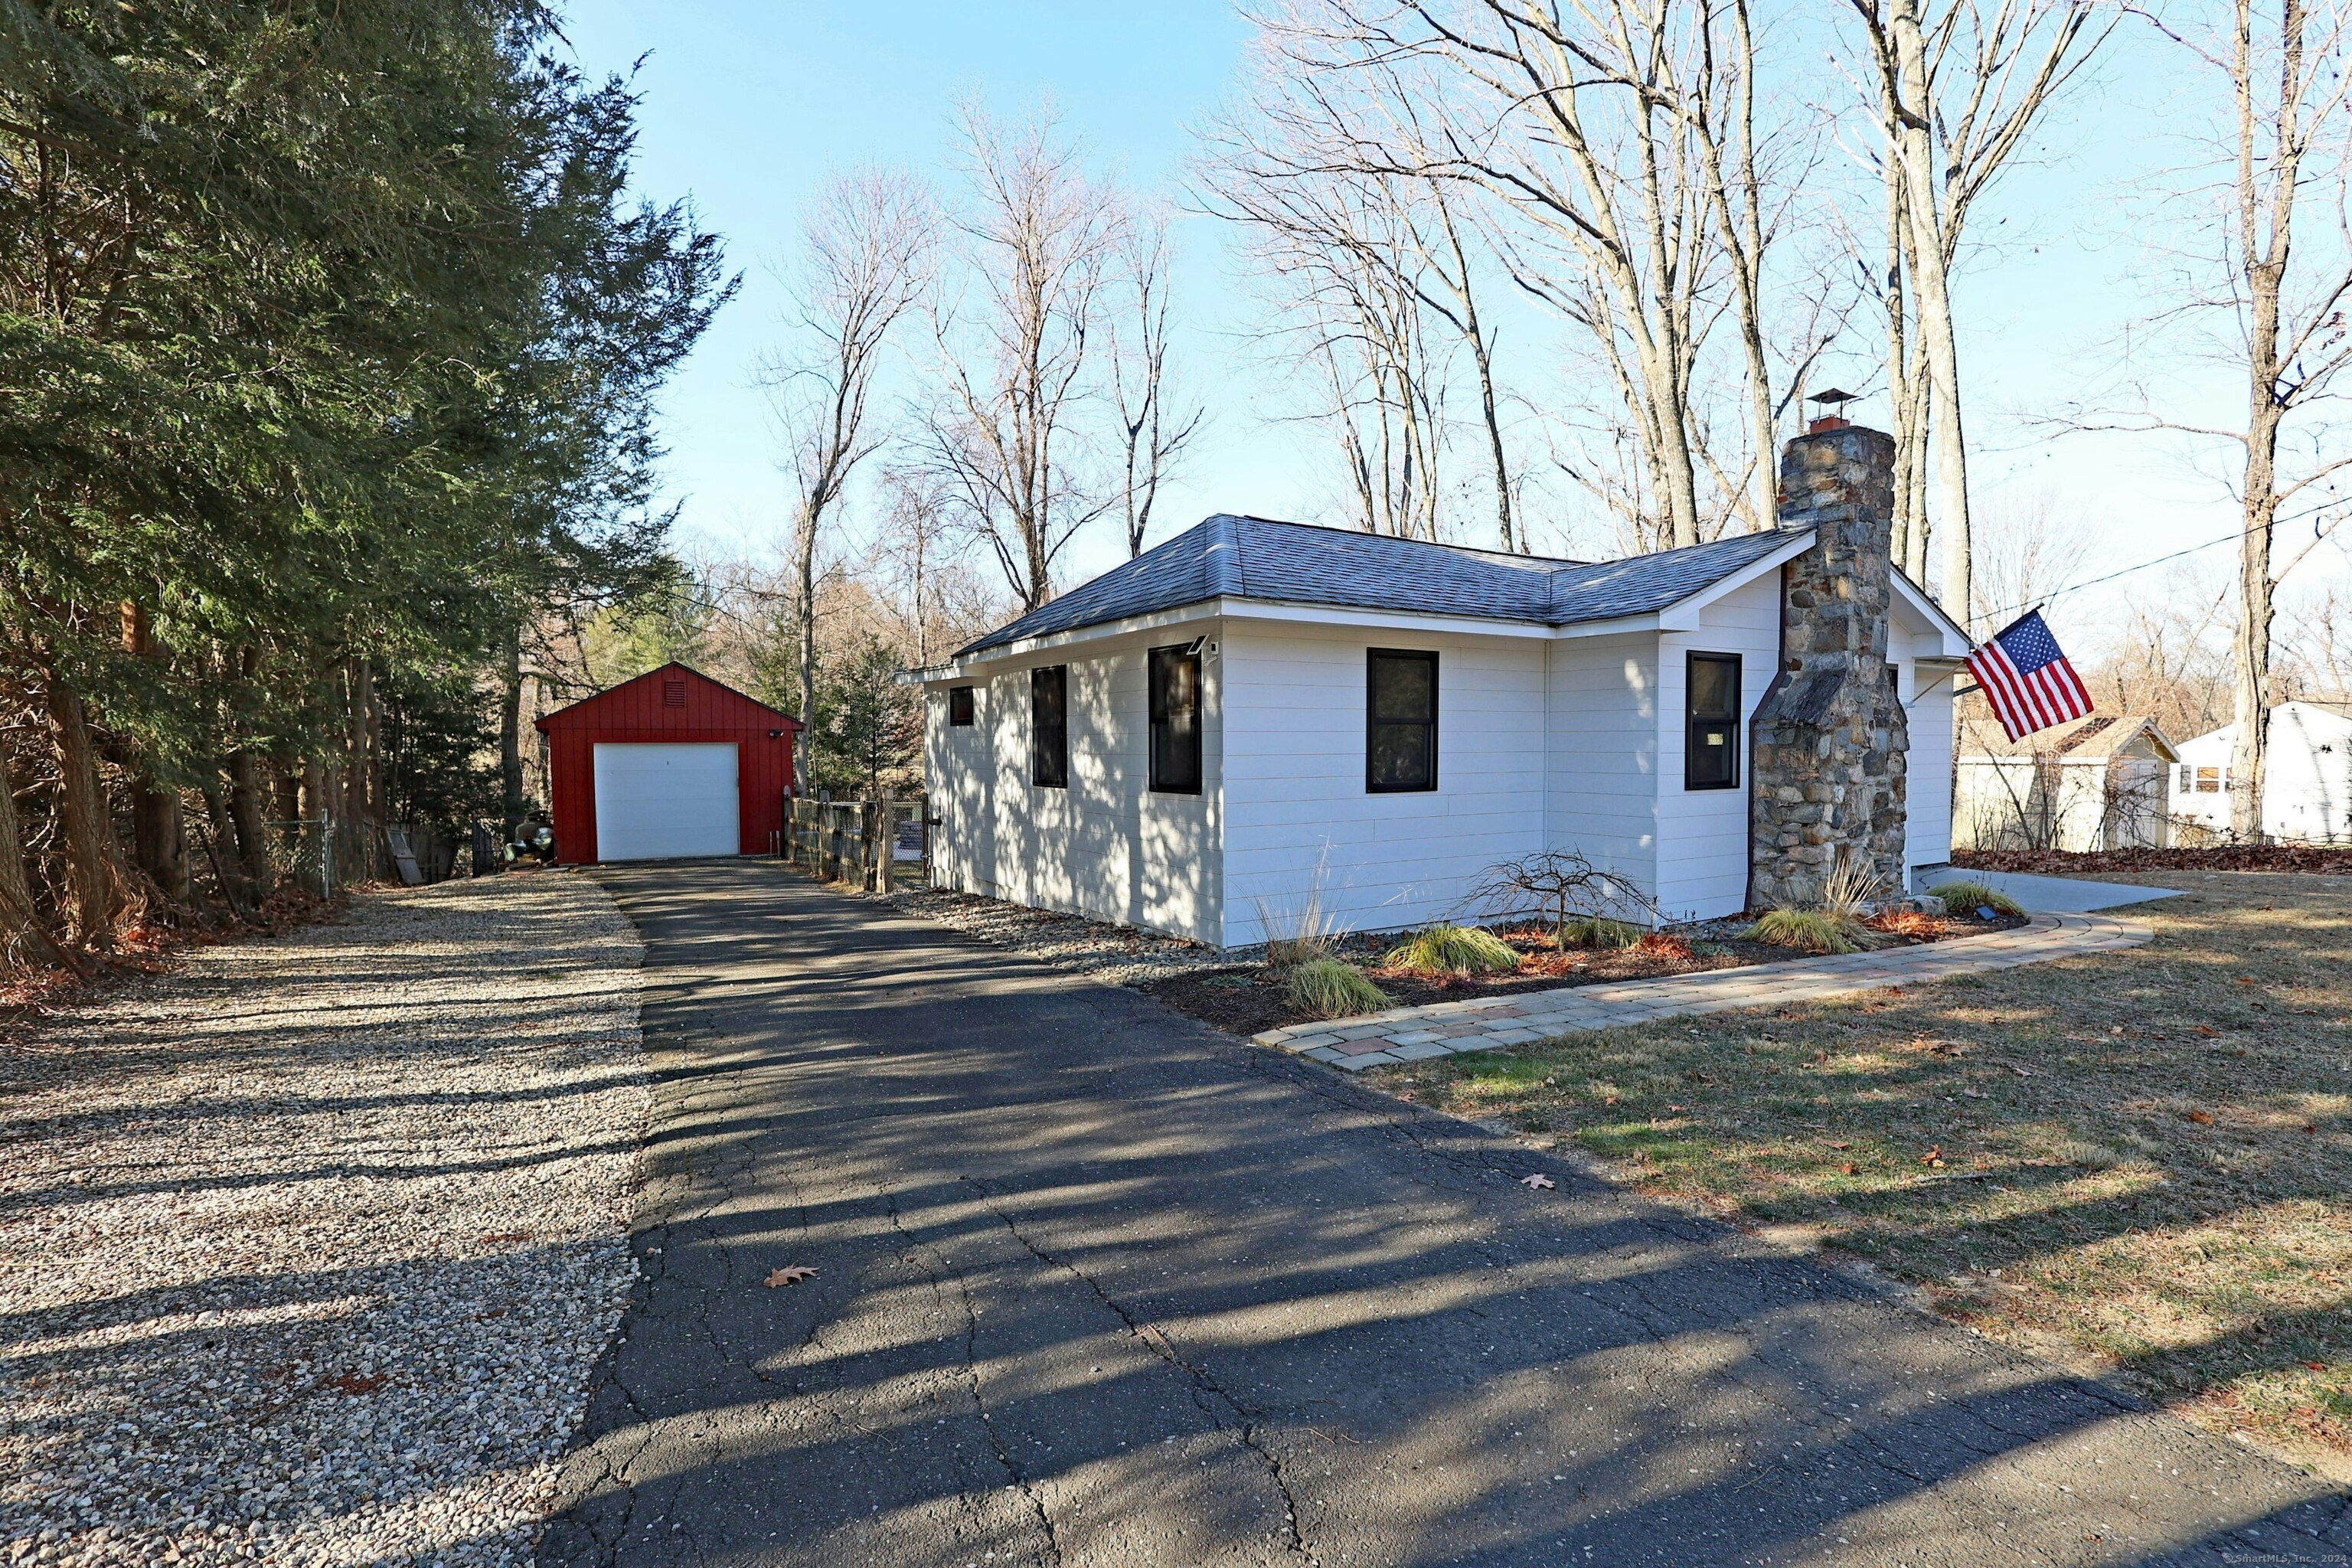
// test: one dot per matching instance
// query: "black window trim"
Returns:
(969, 706)
(1372, 721)
(1037, 758)
(1189, 652)
(1693, 719)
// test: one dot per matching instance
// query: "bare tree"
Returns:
(1628, 181)
(865, 263)
(1329, 167)
(1153, 434)
(2027, 551)
(1960, 85)
(914, 539)
(2262, 290)
(1341, 249)
(1017, 359)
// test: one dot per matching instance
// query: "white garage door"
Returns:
(660, 802)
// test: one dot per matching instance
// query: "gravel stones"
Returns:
(1120, 955)
(308, 1251)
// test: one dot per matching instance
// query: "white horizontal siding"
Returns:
(1928, 783)
(1106, 846)
(1703, 834)
(1296, 813)
(1600, 784)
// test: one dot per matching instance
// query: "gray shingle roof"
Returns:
(1293, 563)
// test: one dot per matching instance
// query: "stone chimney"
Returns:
(1830, 740)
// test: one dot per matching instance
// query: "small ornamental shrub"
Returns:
(1967, 898)
(1810, 930)
(1327, 988)
(1455, 950)
(1594, 930)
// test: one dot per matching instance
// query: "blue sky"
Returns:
(749, 106)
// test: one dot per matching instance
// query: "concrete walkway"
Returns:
(2066, 895)
(1410, 1034)
(1097, 1286)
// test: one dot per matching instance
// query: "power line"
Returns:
(2158, 561)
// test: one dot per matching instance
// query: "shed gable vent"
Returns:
(674, 693)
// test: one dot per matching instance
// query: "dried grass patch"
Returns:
(2138, 1165)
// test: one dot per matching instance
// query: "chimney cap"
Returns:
(1836, 397)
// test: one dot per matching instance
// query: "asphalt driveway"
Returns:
(1099, 1285)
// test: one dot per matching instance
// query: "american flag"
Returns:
(2027, 679)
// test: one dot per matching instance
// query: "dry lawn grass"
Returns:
(2137, 1164)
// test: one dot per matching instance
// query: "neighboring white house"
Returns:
(2097, 783)
(2307, 787)
(1255, 714)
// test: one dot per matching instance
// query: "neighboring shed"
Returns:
(2307, 782)
(669, 766)
(2096, 782)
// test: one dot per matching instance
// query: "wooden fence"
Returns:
(858, 840)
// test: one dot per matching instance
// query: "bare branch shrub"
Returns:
(1561, 886)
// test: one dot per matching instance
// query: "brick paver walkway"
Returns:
(1409, 1034)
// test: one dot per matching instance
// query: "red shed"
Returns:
(670, 764)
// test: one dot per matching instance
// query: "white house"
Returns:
(2095, 782)
(1257, 713)
(2306, 787)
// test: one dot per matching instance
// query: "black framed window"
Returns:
(1711, 710)
(1400, 731)
(959, 706)
(1175, 674)
(1049, 727)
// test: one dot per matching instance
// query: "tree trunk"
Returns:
(220, 852)
(25, 941)
(93, 878)
(1902, 390)
(804, 626)
(510, 735)
(159, 845)
(363, 812)
(320, 810)
(1931, 279)
(2265, 263)
(248, 815)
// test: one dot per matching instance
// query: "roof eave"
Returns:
(1682, 615)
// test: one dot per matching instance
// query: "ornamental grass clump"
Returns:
(1329, 988)
(1455, 950)
(1599, 931)
(1968, 897)
(1811, 931)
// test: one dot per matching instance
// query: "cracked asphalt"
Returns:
(1097, 1285)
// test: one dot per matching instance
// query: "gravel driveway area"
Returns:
(1114, 954)
(308, 1251)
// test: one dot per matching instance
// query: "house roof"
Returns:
(2100, 738)
(1301, 563)
(716, 698)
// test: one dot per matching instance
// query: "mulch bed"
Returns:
(1249, 1000)
(2309, 858)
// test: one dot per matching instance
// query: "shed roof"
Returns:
(1302, 564)
(714, 698)
(2099, 737)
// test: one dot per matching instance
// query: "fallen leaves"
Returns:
(1538, 1181)
(791, 1274)
(2203, 1118)
(1934, 1157)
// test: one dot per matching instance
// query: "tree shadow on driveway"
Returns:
(1096, 1285)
